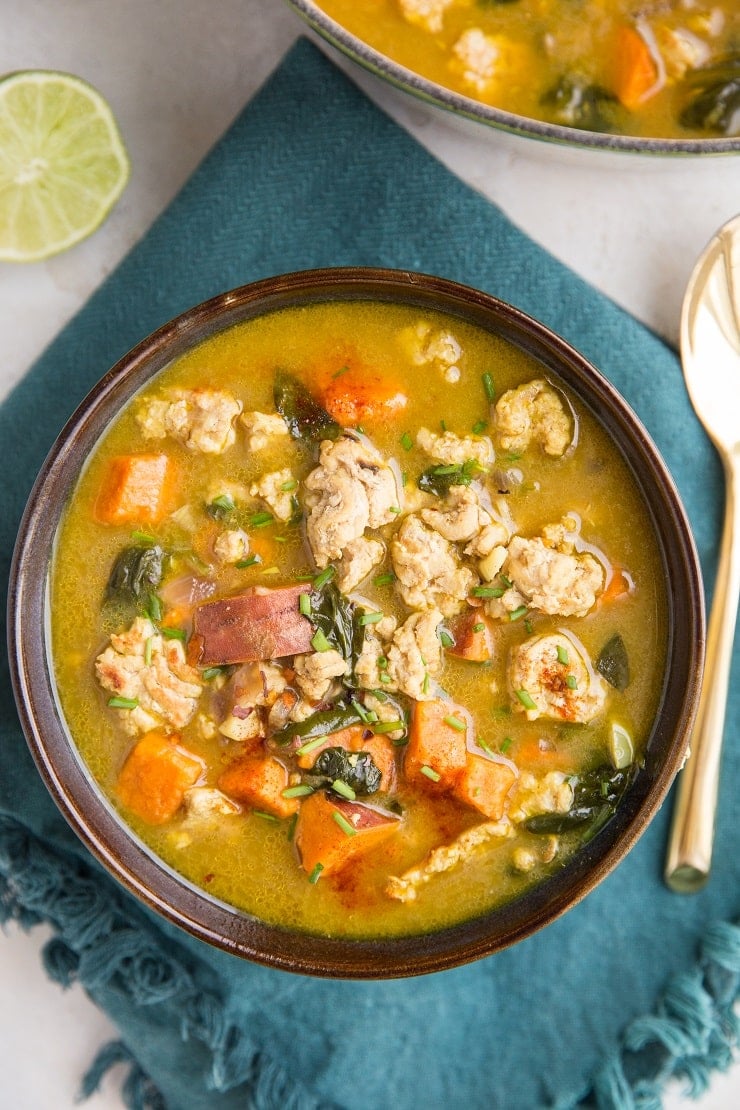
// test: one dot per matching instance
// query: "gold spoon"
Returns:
(710, 354)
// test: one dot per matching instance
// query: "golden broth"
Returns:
(602, 65)
(249, 860)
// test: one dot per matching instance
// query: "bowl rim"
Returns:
(94, 819)
(423, 88)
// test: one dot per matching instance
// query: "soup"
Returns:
(659, 68)
(358, 619)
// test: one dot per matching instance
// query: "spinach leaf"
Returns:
(613, 663)
(716, 104)
(357, 770)
(440, 479)
(596, 795)
(322, 723)
(135, 575)
(306, 418)
(334, 614)
(574, 103)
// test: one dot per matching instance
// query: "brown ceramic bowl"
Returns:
(99, 825)
(465, 107)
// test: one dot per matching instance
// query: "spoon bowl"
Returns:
(710, 354)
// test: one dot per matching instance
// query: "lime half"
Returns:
(63, 164)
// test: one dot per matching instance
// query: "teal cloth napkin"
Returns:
(631, 986)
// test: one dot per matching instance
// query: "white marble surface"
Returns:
(176, 72)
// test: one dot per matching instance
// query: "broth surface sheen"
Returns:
(510, 621)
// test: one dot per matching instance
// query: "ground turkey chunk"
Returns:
(262, 428)
(533, 414)
(427, 14)
(360, 556)
(456, 450)
(533, 795)
(201, 419)
(415, 655)
(375, 645)
(461, 518)
(555, 582)
(550, 676)
(277, 490)
(231, 545)
(428, 347)
(429, 574)
(315, 673)
(350, 490)
(156, 676)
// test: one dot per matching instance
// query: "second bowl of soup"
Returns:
(374, 623)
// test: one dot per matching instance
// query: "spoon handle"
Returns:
(690, 848)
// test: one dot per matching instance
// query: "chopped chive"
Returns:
(528, 626)
(143, 537)
(369, 618)
(479, 427)
(360, 710)
(404, 477)
(406, 441)
(456, 723)
(222, 504)
(292, 822)
(479, 627)
(571, 682)
(506, 581)
(344, 370)
(263, 815)
(487, 591)
(174, 633)
(372, 717)
(385, 678)
(505, 745)
(380, 695)
(211, 672)
(343, 788)
(517, 613)
(299, 791)
(425, 683)
(123, 703)
(430, 773)
(291, 484)
(360, 429)
(388, 726)
(482, 744)
(443, 425)
(304, 577)
(310, 745)
(319, 641)
(281, 539)
(382, 663)
(394, 509)
(248, 562)
(526, 699)
(488, 387)
(154, 608)
(562, 655)
(325, 576)
(148, 650)
(343, 823)
(304, 604)
(313, 878)
(384, 579)
(446, 638)
(260, 520)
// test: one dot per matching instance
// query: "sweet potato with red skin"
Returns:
(346, 738)
(484, 785)
(258, 624)
(636, 76)
(136, 489)
(435, 744)
(472, 638)
(320, 839)
(155, 776)
(358, 395)
(258, 780)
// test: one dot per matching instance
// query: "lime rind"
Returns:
(63, 164)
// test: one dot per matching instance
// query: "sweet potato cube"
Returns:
(259, 781)
(472, 638)
(136, 489)
(332, 833)
(258, 624)
(484, 784)
(358, 394)
(436, 752)
(358, 738)
(155, 776)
